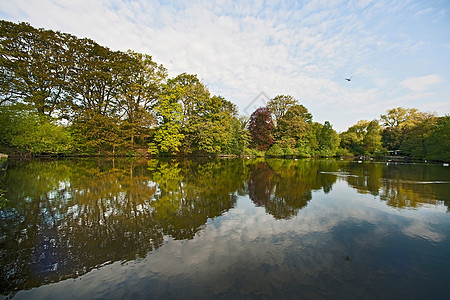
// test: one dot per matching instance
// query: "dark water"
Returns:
(285, 229)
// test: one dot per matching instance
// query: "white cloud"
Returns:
(421, 84)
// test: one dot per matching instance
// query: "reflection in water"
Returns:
(63, 218)
(401, 185)
(284, 187)
(67, 217)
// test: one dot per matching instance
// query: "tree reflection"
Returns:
(284, 187)
(400, 185)
(66, 217)
(190, 193)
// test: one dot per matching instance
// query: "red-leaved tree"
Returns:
(261, 127)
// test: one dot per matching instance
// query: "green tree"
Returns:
(96, 133)
(30, 132)
(328, 140)
(209, 128)
(371, 142)
(279, 105)
(169, 112)
(34, 67)
(295, 124)
(240, 137)
(362, 138)
(414, 142)
(97, 79)
(189, 92)
(139, 94)
(438, 143)
(396, 122)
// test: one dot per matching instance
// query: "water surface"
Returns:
(293, 229)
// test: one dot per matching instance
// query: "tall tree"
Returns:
(362, 138)
(34, 66)
(139, 93)
(372, 138)
(169, 113)
(414, 141)
(279, 105)
(240, 137)
(328, 140)
(295, 123)
(97, 78)
(438, 143)
(189, 92)
(396, 122)
(209, 128)
(261, 128)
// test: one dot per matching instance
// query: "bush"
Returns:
(343, 152)
(379, 153)
(253, 152)
(288, 151)
(152, 149)
(303, 151)
(29, 132)
(275, 150)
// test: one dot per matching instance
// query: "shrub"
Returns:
(275, 150)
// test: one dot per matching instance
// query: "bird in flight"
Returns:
(349, 79)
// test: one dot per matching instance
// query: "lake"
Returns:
(230, 228)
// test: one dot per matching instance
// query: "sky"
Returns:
(397, 53)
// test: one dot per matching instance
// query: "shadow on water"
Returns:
(64, 218)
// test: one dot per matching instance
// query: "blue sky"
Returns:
(397, 52)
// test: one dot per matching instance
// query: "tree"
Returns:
(34, 67)
(189, 92)
(279, 105)
(240, 137)
(95, 133)
(97, 79)
(414, 141)
(396, 122)
(295, 123)
(438, 143)
(328, 140)
(362, 138)
(209, 128)
(139, 94)
(261, 127)
(371, 142)
(30, 132)
(168, 135)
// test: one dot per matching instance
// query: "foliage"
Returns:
(415, 138)
(438, 143)
(275, 150)
(327, 139)
(254, 152)
(279, 105)
(34, 66)
(95, 133)
(240, 137)
(168, 136)
(362, 138)
(295, 123)
(396, 122)
(29, 132)
(261, 127)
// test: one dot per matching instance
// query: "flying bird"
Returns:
(349, 79)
